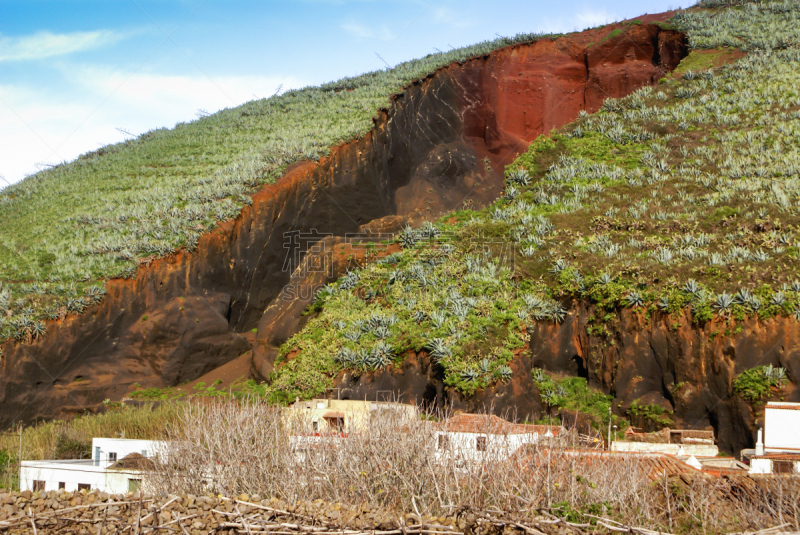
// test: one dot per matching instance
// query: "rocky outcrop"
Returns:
(443, 142)
(687, 369)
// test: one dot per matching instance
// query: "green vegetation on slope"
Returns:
(64, 231)
(678, 197)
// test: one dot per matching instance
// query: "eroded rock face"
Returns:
(443, 141)
(665, 361)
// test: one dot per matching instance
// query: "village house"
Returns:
(779, 451)
(116, 466)
(341, 416)
(481, 437)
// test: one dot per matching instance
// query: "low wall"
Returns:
(698, 450)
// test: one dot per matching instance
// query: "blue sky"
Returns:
(74, 72)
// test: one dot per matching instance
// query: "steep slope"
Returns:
(650, 248)
(444, 141)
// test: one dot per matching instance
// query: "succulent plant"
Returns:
(519, 177)
(723, 302)
(439, 349)
(408, 238)
(633, 299)
(438, 318)
(470, 375)
(559, 266)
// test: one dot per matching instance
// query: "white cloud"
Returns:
(367, 32)
(45, 125)
(45, 44)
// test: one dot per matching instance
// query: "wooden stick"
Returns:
(33, 520)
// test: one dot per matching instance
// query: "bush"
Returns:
(755, 384)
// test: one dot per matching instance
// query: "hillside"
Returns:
(66, 230)
(670, 215)
(440, 144)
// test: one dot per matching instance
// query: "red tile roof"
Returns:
(494, 425)
(656, 465)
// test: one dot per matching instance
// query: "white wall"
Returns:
(698, 450)
(781, 428)
(760, 466)
(71, 473)
(498, 447)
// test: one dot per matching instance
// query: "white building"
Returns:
(779, 453)
(484, 437)
(115, 467)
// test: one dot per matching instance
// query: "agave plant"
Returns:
(419, 316)
(470, 375)
(519, 176)
(346, 357)
(723, 302)
(439, 349)
(633, 299)
(778, 299)
(429, 230)
(485, 366)
(555, 312)
(353, 336)
(743, 296)
(349, 281)
(692, 288)
(438, 318)
(605, 279)
(559, 266)
(503, 372)
(382, 332)
(37, 329)
(408, 237)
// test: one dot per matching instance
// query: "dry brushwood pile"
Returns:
(97, 513)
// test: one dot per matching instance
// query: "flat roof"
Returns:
(784, 406)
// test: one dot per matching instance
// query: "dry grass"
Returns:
(232, 448)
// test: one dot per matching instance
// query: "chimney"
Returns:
(759, 444)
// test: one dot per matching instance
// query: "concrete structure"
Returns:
(341, 416)
(116, 467)
(697, 450)
(779, 451)
(782, 427)
(679, 442)
(481, 437)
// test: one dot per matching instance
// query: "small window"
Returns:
(444, 442)
(62, 485)
(84, 486)
(38, 485)
(480, 443)
(335, 425)
(112, 456)
(134, 484)
(782, 467)
(316, 425)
